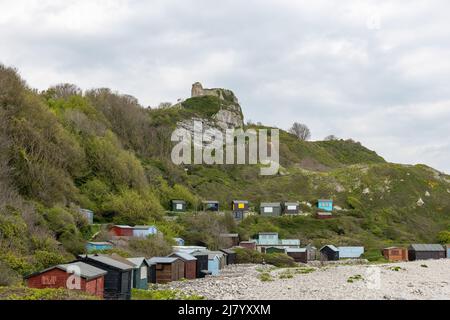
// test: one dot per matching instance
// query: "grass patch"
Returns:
(23, 293)
(396, 268)
(287, 274)
(355, 278)
(265, 276)
(304, 270)
(165, 294)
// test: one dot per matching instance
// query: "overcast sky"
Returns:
(374, 71)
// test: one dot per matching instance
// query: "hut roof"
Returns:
(426, 247)
(228, 251)
(122, 226)
(162, 260)
(270, 204)
(178, 201)
(138, 261)
(143, 227)
(109, 261)
(100, 243)
(323, 200)
(184, 256)
(296, 250)
(331, 247)
(296, 203)
(240, 201)
(87, 271)
(210, 201)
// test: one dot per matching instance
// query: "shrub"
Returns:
(280, 260)
(248, 256)
(45, 259)
(167, 294)
(8, 277)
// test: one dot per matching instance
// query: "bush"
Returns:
(248, 256)
(167, 294)
(279, 260)
(45, 259)
(444, 237)
(21, 293)
(7, 276)
(150, 247)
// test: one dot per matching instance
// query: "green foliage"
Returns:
(45, 259)
(444, 237)
(265, 276)
(132, 207)
(8, 277)
(205, 106)
(152, 246)
(355, 278)
(21, 293)
(280, 260)
(164, 294)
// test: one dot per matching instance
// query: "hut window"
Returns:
(143, 272)
(292, 207)
(179, 206)
(268, 209)
(241, 206)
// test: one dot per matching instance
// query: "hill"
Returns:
(63, 149)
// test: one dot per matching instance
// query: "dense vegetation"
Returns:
(63, 149)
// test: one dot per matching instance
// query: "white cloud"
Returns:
(376, 71)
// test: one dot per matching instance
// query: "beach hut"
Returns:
(291, 207)
(324, 215)
(425, 251)
(270, 209)
(350, 252)
(85, 277)
(88, 214)
(117, 279)
(447, 247)
(202, 263)
(167, 268)
(178, 205)
(251, 245)
(190, 264)
(210, 205)
(231, 239)
(179, 241)
(329, 253)
(395, 254)
(98, 246)
(121, 231)
(325, 204)
(311, 252)
(239, 207)
(144, 231)
(298, 254)
(214, 263)
(230, 255)
(268, 238)
(140, 272)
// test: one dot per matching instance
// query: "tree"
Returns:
(331, 137)
(301, 131)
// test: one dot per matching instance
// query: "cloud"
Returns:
(375, 71)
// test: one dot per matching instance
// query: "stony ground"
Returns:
(406, 280)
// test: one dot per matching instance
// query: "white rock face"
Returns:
(427, 194)
(420, 202)
(228, 119)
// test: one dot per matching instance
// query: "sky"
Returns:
(374, 71)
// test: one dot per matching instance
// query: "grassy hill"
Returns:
(62, 149)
